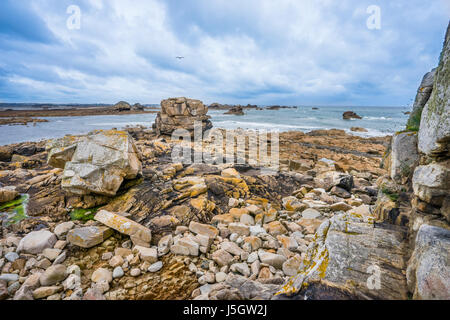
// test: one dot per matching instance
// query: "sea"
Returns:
(379, 121)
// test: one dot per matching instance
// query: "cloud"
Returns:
(253, 51)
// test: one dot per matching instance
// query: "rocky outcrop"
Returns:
(350, 115)
(181, 113)
(404, 156)
(237, 111)
(122, 106)
(96, 163)
(434, 133)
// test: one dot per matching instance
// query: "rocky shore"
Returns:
(111, 216)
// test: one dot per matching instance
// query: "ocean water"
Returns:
(379, 121)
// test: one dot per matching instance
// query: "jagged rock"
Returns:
(8, 194)
(428, 271)
(147, 254)
(431, 183)
(96, 163)
(434, 132)
(404, 156)
(348, 253)
(35, 242)
(88, 237)
(181, 113)
(139, 234)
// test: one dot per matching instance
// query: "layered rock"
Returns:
(404, 156)
(96, 163)
(181, 113)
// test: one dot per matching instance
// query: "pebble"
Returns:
(135, 272)
(118, 273)
(11, 256)
(156, 267)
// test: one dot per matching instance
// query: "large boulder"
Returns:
(356, 256)
(431, 183)
(122, 106)
(434, 132)
(428, 271)
(96, 163)
(404, 156)
(181, 113)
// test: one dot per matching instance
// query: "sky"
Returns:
(290, 52)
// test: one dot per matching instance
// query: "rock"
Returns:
(428, 271)
(434, 129)
(11, 256)
(220, 277)
(44, 292)
(293, 204)
(35, 242)
(230, 173)
(272, 259)
(191, 246)
(239, 228)
(340, 192)
(122, 106)
(96, 163)
(241, 268)
(51, 254)
(164, 244)
(231, 247)
(358, 129)
(93, 294)
(53, 275)
(237, 111)
(237, 287)
(26, 290)
(135, 272)
(155, 267)
(350, 253)
(116, 261)
(275, 228)
(311, 214)
(340, 206)
(222, 257)
(203, 229)
(431, 183)
(247, 219)
(3, 290)
(290, 267)
(62, 229)
(8, 194)
(181, 113)
(88, 237)
(72, 282)
(101, 274)
(423, 94)
(404, 156)
(117, 273)
(147, 254)
(350, 115)
(139, 234)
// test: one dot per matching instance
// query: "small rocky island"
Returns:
(109, 216)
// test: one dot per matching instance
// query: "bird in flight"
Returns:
(179, 58)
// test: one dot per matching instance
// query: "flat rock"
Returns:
(88, 237)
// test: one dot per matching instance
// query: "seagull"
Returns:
(179, 58)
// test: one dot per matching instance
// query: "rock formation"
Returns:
(96, 163)
(350, 115)
(122, 106)
(237, 111)
(181, 113)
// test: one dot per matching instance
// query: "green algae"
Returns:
(15, 210)
(83, 214)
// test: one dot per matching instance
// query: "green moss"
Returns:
(83, 214)
(413, 124)
(16, 209)
(390, 194)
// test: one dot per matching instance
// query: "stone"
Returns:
(94, 294)
(51, 254)
(271, 259)
(97, 163)
(35, 242)
(220, 277)
(181, 113)
(8, 194)
(247, 219)
(122, 106)
(290, 267)
(164, 244)
(293, 204)
(339, 206)
(3, 290)
(423, 94)
(44, 292)
(340, 192)
(72, 282)
(155, 267)
(203, 229)
(404, 156)
(117, 273)
(139, 234)
(431, 183)
(192, 246)
(428, 271)
(135, 272)
(101, 274)
(116, 261)
(311, 214)
(239, 228)
(88, 237)
(222, 257)
(11, 256)
(257, 230)
(53, 275)
(350, 115)
(276, 228)
(241, 268)
(62, 229)
(254, 242)
(231, 247)
(9, 277)
(230, 173)
(147, 254)
(179, 250)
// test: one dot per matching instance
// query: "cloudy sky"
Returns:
(236, 51)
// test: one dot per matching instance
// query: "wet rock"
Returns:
(35, 242)
(88, 237)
